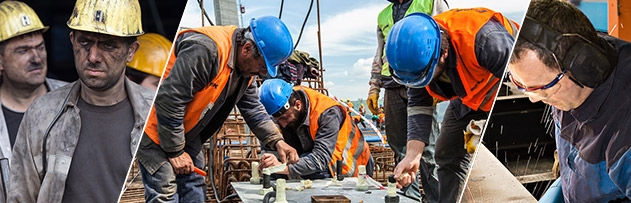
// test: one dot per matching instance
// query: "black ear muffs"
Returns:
(587, 63)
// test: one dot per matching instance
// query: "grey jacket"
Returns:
(5, 146)
(29, 183)
(197, 64)
(315, 154)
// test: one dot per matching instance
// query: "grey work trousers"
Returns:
(395, 107)
(451, 156)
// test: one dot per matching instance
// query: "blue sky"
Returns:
(347, 31)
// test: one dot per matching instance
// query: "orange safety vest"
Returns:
(350, 146)
(462, 25)
(205, 98)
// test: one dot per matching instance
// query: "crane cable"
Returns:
(201, 6)
(303, 24)
(280, 13)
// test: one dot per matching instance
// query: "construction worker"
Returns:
(319, 129)
(298, 66)
(395, 97)
(209, 71)
(584, 75)
(148, 63)
(23, 64)
(362, 109)
(349, 105)
(382, 118)
(358, 119)
(458, 55)
(76, 143)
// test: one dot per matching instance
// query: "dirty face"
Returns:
(23, 61)
(250, 62)
(101, 59)
(546, 84)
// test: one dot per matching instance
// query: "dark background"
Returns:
(158, 16)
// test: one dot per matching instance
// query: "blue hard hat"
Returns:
(274, 95)
(273, 40)
(413, 49)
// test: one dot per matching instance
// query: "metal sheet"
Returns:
(490, 181)
(250, 193)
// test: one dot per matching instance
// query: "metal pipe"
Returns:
(201, 7)
(320, 42)
(338, 169)
(266, 181)
(204, 14)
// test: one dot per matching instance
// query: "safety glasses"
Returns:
(523, 88)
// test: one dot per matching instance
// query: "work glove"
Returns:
(556, 170)
(472, 135)
(373, 103)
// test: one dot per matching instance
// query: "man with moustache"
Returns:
(76, 143)
(561, 60)
(209, 71)
(23, 64)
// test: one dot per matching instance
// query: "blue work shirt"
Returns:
(594, 140)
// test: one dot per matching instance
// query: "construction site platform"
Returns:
(249, 193)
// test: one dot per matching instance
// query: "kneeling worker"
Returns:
(318, 127)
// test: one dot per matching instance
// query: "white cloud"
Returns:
(351, 32)
(497, 5)
(192, 14)
(348, 35)
(362, 67)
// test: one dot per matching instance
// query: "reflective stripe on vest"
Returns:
(350, 146)
(205, 99)
(462, 26)
(385, 23)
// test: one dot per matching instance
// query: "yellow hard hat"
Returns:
(17, 18)
(152, 55)
(113, 17)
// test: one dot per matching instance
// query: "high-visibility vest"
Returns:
(462, 25)
(205, 99)
(350, 146)
(385, 22)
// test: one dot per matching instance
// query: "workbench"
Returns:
(249, 193)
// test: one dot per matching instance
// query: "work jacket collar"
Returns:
(233, 50)
(139, 104)
(594, 101)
